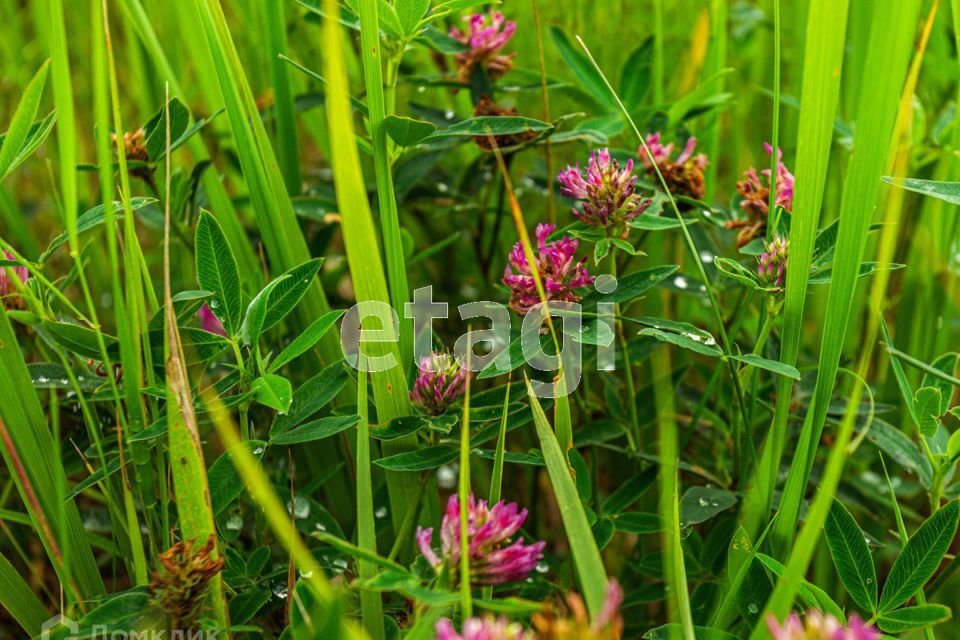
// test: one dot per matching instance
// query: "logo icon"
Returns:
(52, 628)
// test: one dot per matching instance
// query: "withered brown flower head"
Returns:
(134, 145)
(487, 107)
(179, 584)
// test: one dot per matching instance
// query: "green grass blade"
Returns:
(286, 135)
(586, 556)
(277, 517)
(823, 59)
(188, 468)
(371, 48)
(19, 599)
(32, 442)
(370, 603)
(360, 238)
(887, 58)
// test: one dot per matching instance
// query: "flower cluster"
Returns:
(486, 628)
(182, 580)
(486, 36)
(683, 174)
(607, 625)
(607, 191)
(817, 626)
(554, 262)
(440, 382)
(493, 558)
(773, 262)
(209, 321)
(755, 189)
(8, 287)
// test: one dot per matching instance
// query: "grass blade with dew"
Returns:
(371, 605)
(360, 238)
(188, 468)
(823, 59)
(887, 57)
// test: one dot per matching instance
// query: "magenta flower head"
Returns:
(486, 628)
(8, 285)
(440, 382)
(607, 192)
(209, 321)
(755, 189)
(560, 275)
(486, 36)
(773, 262)
(493, 558)
(817, 626)
(683, 174)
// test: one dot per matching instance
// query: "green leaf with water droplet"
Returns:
(699, 504)
(273, 391)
